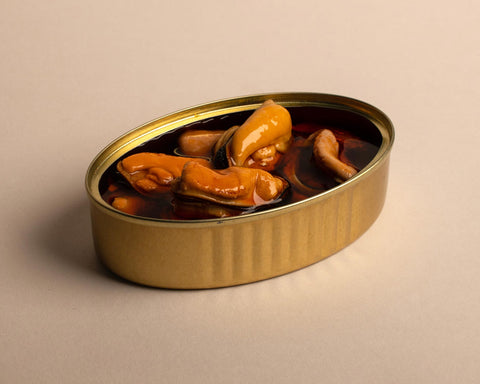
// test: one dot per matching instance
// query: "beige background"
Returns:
(400, 305)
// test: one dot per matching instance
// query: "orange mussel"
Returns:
(235, 186)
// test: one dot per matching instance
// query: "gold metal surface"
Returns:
(237, 250)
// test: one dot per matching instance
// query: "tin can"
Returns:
(196, 254)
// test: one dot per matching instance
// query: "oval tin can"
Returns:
(195, 254)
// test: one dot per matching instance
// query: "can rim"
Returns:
(160, 125)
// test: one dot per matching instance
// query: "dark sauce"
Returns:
(358, 138)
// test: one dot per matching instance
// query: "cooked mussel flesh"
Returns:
(326, 154)
(268, 126)
(234, 186)
(151, 173)
(198, 143)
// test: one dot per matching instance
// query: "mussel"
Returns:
(128, 204)
(152, 173)
(234, 186)
(259, 141)
(198, 143)
(326, 154)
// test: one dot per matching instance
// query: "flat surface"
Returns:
(400, 305)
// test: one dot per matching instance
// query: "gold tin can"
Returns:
(223, 252)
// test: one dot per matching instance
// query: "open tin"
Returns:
(193, 254)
